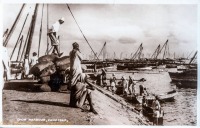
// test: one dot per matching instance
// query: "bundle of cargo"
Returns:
(63, 63)
(48, 58)
(51, 70)
(38, 68)
(44, 69)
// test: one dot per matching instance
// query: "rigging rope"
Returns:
(21, 41)
(82, 32)
(18, 37)
(102, 49)
(40, 31)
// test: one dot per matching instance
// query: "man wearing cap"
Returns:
(75, 63)
(54, 37)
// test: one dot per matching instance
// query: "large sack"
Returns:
(45, 79)
(37, 68)
(62, 61)
(45, 87)
(63, 67)
(47, 58)
(48, 71)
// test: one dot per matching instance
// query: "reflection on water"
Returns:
(183, 111)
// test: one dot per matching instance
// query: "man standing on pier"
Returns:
(79, 85)
(53, 35)
(75, 63)
(6, 62)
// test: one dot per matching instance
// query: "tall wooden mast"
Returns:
(32, 30)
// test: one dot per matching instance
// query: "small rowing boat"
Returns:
(168, 96)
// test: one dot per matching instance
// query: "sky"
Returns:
(122, 26)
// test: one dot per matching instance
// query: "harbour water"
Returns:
(182, 111)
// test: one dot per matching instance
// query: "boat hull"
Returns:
(185, 79)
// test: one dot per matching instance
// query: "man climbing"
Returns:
(53, 35)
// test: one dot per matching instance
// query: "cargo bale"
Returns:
(62, 61)
(48, 71)
(45, 79)
(45, 88)
(37, 68)
(63, 67)
(62, 72)
(47, 58)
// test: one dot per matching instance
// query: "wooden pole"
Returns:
(13, 26)
(31, 31)
(40, 32)
(19, 37)
(21, 40)
(26, 41)
(47, 51)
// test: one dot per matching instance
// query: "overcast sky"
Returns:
(123, 27)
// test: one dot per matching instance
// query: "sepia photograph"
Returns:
(99, 64)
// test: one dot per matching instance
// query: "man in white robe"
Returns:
(53, 35)
(75, 63)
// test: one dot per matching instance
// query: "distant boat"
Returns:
(182, 67)
(161, 66)
(185, 79)
(171, 65)
(144, 69)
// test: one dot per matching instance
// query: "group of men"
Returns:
(128, 85)
(158, 112)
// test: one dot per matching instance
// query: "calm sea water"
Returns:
(182, 111)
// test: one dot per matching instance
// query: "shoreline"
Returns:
(51, 108)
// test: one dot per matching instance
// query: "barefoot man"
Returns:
(81, 88)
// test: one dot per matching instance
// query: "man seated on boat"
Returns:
(156, 110)
(156, 115)
(156, 103)
(113, 83)
(143, 90)
(82, 91)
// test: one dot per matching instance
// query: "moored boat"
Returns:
(185, 79)
(168, 96)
